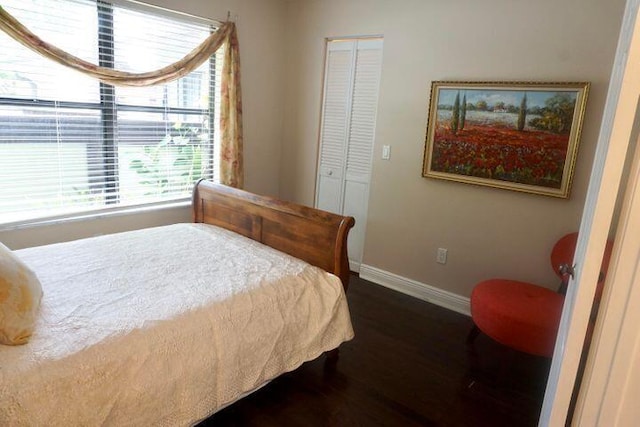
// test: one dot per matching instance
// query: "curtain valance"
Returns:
(174, 71)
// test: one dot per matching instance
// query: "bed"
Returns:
(167, 325)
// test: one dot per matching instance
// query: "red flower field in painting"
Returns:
(501, 152)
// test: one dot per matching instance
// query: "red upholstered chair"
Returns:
(524, 316)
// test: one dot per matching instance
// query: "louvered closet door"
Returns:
(362, 126)
(335, 114)
(356, 124)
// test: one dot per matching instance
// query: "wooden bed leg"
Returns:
(331, 361)
(332, 356)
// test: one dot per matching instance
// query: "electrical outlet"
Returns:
(441, 256)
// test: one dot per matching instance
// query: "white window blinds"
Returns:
(69, 143)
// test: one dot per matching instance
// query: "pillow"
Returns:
(20, 295)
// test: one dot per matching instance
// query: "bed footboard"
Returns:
(315, 236)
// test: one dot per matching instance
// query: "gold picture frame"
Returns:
(520, 136)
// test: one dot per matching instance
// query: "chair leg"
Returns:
(474, 359)
(473, 334)
(502, 378)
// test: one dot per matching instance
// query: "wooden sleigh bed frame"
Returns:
(315, 236)
(243, 313)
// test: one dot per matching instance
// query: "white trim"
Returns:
(363, 37)
(416, 289)
(354, 265)
(607, 394)
(613, 141)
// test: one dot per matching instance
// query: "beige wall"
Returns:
(260, 26)
(488, 232)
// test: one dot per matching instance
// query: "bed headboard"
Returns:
(315, 236)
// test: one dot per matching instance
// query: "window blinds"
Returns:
(69, 143)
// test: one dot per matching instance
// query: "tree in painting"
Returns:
(557, 115)
(522, 113)
(463, 112)
(455, 114)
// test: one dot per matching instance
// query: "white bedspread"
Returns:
(163, 326)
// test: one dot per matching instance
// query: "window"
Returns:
(69, 143)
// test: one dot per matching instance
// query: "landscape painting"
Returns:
(518, 136)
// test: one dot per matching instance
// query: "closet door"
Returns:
(333, 132)
(348, 130)
(361, 136)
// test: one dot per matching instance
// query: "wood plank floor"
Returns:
(407, 366)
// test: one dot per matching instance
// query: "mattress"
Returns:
(163, 326)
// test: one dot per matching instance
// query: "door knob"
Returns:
(565, 269)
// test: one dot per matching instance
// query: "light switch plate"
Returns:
(386, 152)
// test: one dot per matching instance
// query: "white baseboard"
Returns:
(354, 266)
(416, 289)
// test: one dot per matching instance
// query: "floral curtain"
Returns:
(231, 161)
(231, 104)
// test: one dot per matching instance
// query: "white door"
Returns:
(352, 82)
(336, 105)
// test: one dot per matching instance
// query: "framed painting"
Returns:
(520, 136)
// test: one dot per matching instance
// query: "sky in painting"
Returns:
(535, 98)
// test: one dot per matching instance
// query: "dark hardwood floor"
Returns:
(408, 365)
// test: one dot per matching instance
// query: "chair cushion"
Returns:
(519, 315)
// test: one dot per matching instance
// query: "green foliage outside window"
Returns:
(175, 163)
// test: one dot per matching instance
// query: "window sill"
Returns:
(95, 215)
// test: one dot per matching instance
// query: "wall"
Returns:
(260, 26)
(488, 232)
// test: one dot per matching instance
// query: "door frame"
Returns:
(613, 143)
